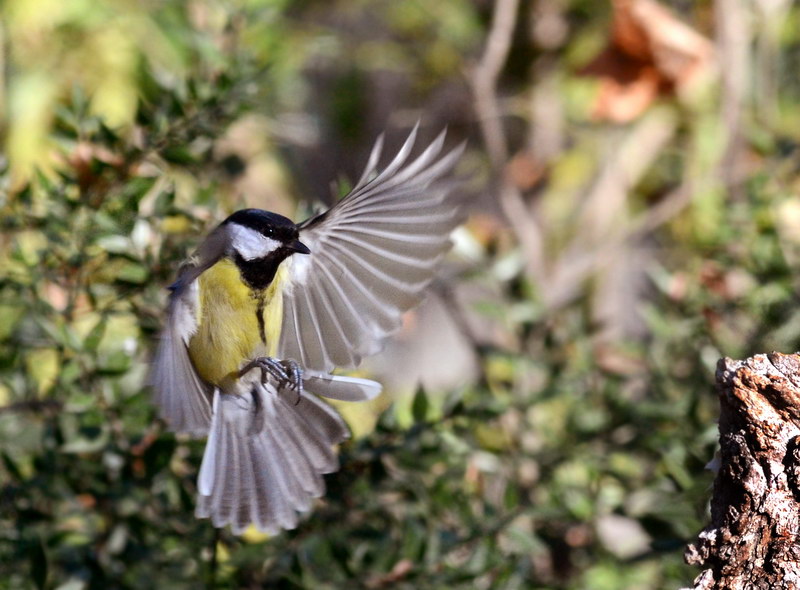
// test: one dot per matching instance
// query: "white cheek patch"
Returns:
(251, 244)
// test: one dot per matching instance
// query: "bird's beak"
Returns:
(298, 247)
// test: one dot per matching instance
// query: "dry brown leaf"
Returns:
(55, 295)
(87, 501)
(524, 170)
(484, 228)
(650, 54)
(400, 570)
(59, 296)
(680, 54)
(627, 88)
(579, 535)
(616, 360)
(82, 160)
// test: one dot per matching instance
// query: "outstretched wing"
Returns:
(372, 255)
(182, 397)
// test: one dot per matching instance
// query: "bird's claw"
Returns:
(287, 373)
(295, 378)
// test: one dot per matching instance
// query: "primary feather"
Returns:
(372, 255)
(181, 395)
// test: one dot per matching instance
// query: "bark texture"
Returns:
(752, 541)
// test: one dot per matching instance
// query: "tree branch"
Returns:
(484, 78)
(755, 511)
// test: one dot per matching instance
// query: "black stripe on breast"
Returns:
(260, 317)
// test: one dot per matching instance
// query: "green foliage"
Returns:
(570, 461)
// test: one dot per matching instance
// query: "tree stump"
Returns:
(752, 541)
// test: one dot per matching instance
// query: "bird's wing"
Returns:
(372, 255)
(341, 387)
(183, 398)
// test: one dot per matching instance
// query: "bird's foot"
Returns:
(287, 373)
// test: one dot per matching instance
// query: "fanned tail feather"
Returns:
(268, 473)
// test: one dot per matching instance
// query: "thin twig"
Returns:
(485, 76)
(483, 79)
(733, 45)
(37, 405)
(603, 226)
(662, 212)
(605, 206)
(576, 265)
(446, 293)
(213, 562)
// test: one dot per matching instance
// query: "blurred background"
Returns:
(632, 173)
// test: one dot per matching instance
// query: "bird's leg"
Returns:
(286, 372)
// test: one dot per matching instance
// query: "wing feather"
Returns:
(180, 394)
(341, 387)
(395, 164)
(329, 325)
(372, 163)
(183, 398)
(372, 255)
(310, 329)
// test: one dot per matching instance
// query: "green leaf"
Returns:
(11, 467)
(133, 273)
(38, 561)
(93, 338)
(10, 315)
(419, 407)
(179, 154)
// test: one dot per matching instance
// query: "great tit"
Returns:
(265, 309)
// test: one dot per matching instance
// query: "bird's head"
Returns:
(256, 234)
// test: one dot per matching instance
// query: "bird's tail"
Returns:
(266, 454)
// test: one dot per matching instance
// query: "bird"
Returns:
(265, 310)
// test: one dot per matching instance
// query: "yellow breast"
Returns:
(229, 331)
